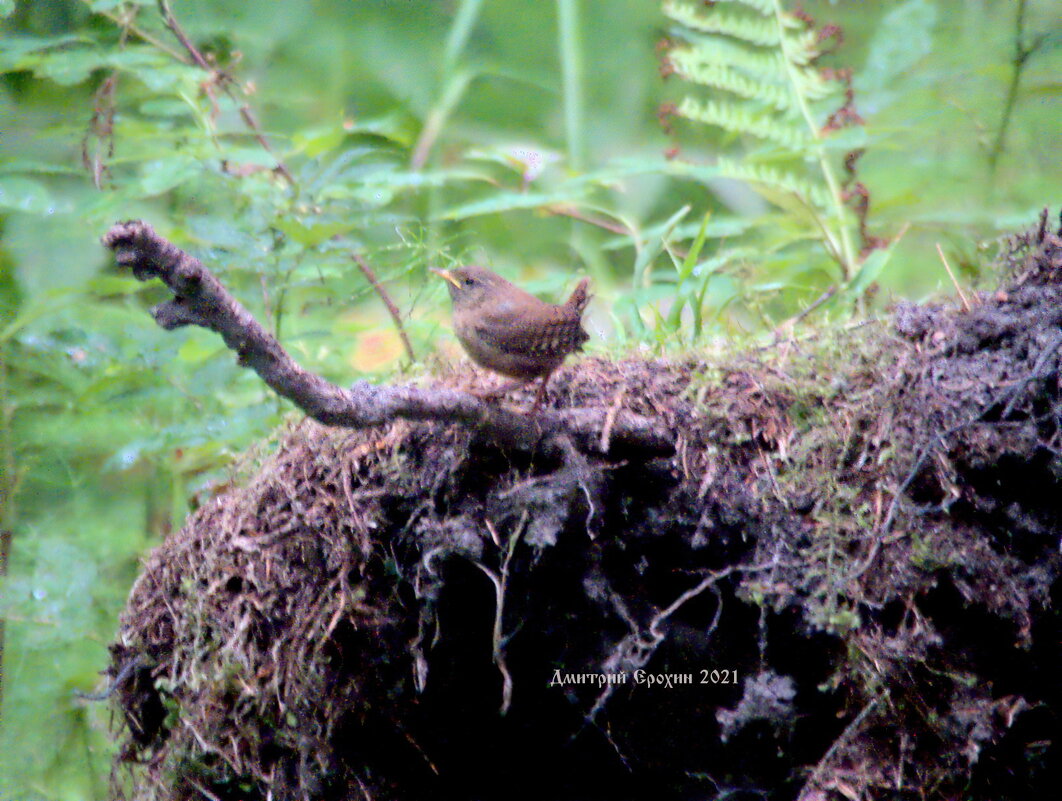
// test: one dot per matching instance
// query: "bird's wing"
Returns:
(540, 328)
(503, 325)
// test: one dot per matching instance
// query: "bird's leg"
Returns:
(541, 394)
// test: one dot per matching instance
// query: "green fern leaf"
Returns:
(692, 66)
(742, 118)
(750, 29)
(802, 47)
(809, 191)
(765, 7)
(707, 51)
(760, 64)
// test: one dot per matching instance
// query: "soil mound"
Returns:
(839, 585)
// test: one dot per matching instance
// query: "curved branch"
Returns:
(200, 299)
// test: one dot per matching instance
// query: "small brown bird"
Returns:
(509, 331)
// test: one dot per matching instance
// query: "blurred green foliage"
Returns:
(524, 136)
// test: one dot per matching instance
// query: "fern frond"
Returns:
(692, 66)
(811, 192)
(754, 30)
(743, 118)
(771, 86)
(761, 64)
(802, 47)
(810, 83)
(765, 65)
(765, 7)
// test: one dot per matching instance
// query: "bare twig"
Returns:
(100, 130)
(171, 22)
(227, 83)
(392, 309)
(101, 125)
(200, 299)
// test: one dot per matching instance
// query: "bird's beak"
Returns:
(446, 275)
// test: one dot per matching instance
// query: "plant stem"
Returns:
(455, 88)
(571, 69)
(1021, 56)
(464, 22)
(845, 249)
(452, 87)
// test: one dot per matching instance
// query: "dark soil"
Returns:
(843, 583)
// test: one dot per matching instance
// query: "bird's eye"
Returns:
(469, 281)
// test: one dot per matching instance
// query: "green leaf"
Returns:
(196, 350)
(108, 5)
(393, 127)
(167, 76)
(23, 52)
(748, 28)
(903, 37)
(163, 175)
(112, 385)
(35, 167)
(25, 194)
(164, 107)
(655, 246)
(257, 156)
(686, 269)
(322, 139)
(110, 285)
(416, 179)
(792, 201)
(868, 272)
(313, 234)
(69, 67)
(507, 201)
(717, 229)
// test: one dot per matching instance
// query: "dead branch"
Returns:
(200, 299)
(226, 82)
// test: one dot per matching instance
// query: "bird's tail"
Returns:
(580, 297)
